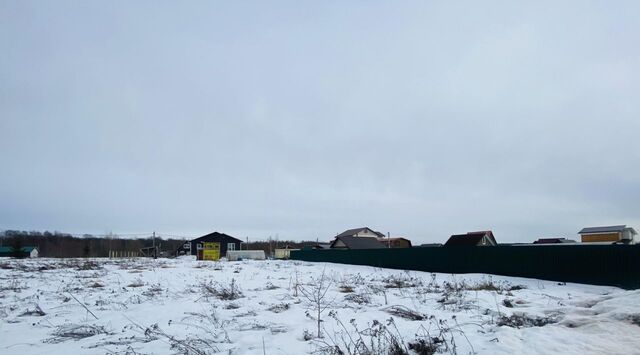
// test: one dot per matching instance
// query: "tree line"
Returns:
(63, 245)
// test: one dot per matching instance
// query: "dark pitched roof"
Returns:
(469, 239)
(354, 231)
(605, 229)
(359, 242)
(463, 240)
(217, 235)
(553, 241)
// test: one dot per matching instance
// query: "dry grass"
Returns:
(136, 283)
(67, 332)
(279, 308)
(525, 321)
(404, 312)
(346, 289)
(220, 291)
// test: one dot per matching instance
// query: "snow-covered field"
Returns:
(144, 306)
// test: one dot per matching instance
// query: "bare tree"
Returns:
(316, 294)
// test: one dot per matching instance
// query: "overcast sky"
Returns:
(303, 119)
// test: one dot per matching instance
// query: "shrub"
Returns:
(359, 298)
(278, 308)
(346, 288)
(422, 346)
(223, 292)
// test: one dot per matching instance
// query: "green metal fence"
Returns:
(614, 265)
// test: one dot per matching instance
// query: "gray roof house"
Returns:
(361, 232)
(349, 242)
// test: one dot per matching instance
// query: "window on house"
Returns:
(231, 246)
(199, 247)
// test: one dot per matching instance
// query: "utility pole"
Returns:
(155, 251)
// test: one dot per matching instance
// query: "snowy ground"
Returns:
(142, 306)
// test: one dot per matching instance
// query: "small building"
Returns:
(361, 232)
(283, 253)
(472, 239)
(608, 234)
(237, 255)
(395, 242)
(349, 242)
(554, 241)
(26, 252)
(212, 241)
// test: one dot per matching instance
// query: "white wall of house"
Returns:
(627, 234)
(366, 233)
(339, 244)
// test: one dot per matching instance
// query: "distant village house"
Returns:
(349, 242)
(472, 239)
(212, 241)
(367, 238)
(608, 234)
(361, 232)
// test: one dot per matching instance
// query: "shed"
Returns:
(224, 242)
(611, 234)
(283, 253)
(347, 242)
(472, 239)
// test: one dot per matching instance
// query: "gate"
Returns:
(211, 251)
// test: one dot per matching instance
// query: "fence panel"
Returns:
(614, 265)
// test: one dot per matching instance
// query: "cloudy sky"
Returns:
(303, 119)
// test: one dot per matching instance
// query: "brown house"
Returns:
(608, 234)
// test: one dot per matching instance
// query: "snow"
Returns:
(42, 309)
